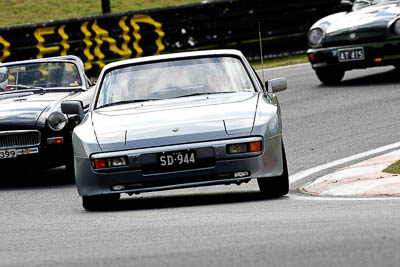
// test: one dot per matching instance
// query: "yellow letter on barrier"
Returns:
(102, 34)
(64, 42)
(6, 52)
(149, 20)
(98, 38)
(88, 43)
(39, 37)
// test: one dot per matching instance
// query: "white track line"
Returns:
(282, 67)
(303, 174)
(287, 66)
(351, 198)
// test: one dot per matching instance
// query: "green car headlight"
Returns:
(57, 121)
(315, 36)
(396, 27)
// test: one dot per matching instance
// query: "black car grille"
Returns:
(16, 139)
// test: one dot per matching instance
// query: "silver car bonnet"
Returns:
(172, 121)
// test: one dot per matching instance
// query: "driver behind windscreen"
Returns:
(3, 78)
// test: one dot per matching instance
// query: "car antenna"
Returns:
(261, 51)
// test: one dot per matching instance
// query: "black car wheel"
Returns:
(70, 171)
(274, 187)
(330, 75)
(100, 202)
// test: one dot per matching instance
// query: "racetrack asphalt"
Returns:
(43, 222)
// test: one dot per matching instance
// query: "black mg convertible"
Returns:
(366, 36)
(34, 133)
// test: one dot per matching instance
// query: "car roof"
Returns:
(219, 52)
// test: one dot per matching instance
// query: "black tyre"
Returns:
(100, 202)
(70, 171)
(330, 76)
(69, 165)
(274, 187)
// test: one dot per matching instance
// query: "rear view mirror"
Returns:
(73, 108)
(276, 85)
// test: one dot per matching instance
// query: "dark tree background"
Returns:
(105, 4)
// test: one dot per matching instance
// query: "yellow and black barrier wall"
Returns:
(98, 40)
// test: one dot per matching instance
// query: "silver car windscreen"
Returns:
(175, 78)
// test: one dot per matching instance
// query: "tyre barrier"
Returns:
(98, 40)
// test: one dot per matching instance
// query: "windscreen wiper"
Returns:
(26, 88)
(209, 93)
(127, 102)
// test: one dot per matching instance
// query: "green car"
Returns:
(367, 36)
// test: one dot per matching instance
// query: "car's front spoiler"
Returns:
(226, 171)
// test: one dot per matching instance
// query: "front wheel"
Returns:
(70, 171)
(274, 187)
(330, 76)
(100, 202)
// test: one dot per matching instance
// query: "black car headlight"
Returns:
(57, 121)
(315, 37)
(396, 27)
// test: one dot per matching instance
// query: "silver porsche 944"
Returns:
(177, 121)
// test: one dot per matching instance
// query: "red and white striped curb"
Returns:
(362, 179)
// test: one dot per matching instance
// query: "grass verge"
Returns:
(280, 61)
(394, 168)
(14, 12)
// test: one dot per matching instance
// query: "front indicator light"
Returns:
(378, 60)
(55, 140)
(100, 163)
(255, 146)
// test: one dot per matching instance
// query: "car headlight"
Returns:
(57, 121)
(396, 27)
(244, 147)
(315, 36)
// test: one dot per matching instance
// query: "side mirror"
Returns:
(73, 108)
(276, 85)
(346, 3)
